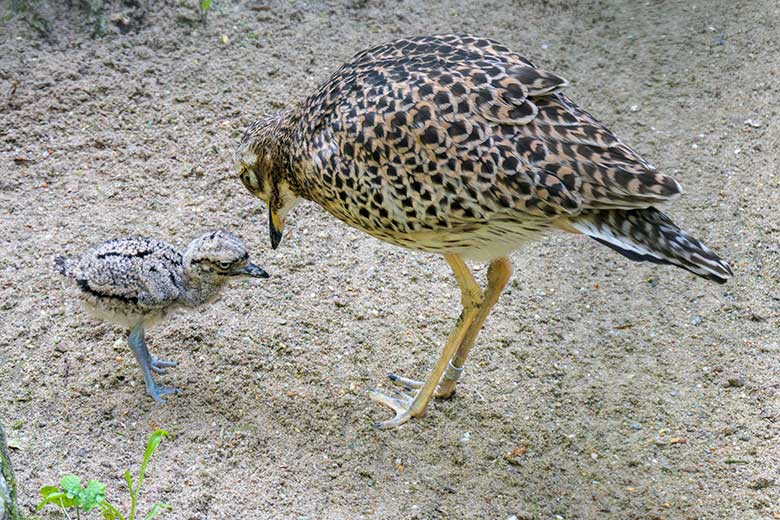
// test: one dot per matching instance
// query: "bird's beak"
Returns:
(275, 227)
(253, 271)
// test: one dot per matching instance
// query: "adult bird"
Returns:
(456, 145)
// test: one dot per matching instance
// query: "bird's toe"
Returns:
(445, 390)
(162, 363)
(158, 392)
(405, 382)
(400, 402)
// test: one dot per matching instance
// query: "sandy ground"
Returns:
(623, 390)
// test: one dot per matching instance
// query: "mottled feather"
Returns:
(135, 280)
(461, 126)
(448, 144)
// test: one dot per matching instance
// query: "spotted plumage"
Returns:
(135, 282)
(455, 144)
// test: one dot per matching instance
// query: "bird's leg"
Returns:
(498, 275)
(499, 272)
(148, 363)
(406, 406)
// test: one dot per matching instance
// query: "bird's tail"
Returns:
(649, 235)
(62, 265)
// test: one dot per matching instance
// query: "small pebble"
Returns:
(735, 381)
(696, 320)
(635, 426)
(195, 171)
(761, 483)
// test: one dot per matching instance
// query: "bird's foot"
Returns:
(403, 402)
(412, 403)
(160, 365)
(400, 402)
(157, 392)
(444, 390)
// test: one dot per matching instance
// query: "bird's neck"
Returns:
(201, 290)
(290, 130)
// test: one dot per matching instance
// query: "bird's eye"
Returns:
(250, 180)
(225, 265)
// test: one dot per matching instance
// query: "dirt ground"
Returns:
(600, 388)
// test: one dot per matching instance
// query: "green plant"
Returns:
(9, 510)
(70, 496)
(204, 5)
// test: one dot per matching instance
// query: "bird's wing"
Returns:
(588, 157)
(138, 271)
(470, 125)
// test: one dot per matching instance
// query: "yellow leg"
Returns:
(407, 407)
(499, 272)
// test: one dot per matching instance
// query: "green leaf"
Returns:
(58, 498)
(156, 509)
(48, 490)
(93, 495)
(110, 512)
(205, 5)
(129, 480)
(71, 485)
(154, 441)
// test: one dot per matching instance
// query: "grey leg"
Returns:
(149, 363)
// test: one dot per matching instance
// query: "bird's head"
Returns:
(260, 164)
(221, 255)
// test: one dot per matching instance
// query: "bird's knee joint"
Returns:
(499, 273)
(471, 299)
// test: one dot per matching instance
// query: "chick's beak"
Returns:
(253, 271)
(275, 227)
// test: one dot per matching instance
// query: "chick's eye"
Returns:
(225, 265)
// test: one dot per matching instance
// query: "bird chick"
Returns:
(135, 282)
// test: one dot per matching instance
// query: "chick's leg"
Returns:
(408, 406)
(148, 363)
